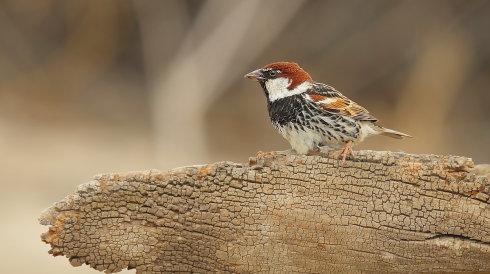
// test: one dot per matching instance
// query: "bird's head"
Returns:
(281, 79)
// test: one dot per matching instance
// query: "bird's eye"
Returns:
(272, 73)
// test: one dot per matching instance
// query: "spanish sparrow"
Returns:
(310, 115)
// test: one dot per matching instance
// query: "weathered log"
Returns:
(383, 211)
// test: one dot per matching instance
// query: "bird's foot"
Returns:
(261, 156)
(314, 152)
(346, 151)
(264, 154)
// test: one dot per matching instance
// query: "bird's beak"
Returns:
(256, 74)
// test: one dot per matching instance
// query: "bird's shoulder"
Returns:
(331, 100)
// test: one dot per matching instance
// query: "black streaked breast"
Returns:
(291, 109)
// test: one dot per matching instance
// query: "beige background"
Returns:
(89, 87)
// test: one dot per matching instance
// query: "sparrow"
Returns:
(310, 115)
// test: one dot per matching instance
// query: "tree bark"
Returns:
(382, 211)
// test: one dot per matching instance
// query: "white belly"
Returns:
(305, 140)
(302, 141)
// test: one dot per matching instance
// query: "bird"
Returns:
(311, 115)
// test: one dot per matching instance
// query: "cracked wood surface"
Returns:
(383, 211)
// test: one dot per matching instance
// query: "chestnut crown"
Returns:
(292, 71)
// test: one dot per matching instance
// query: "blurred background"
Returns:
(91, 86)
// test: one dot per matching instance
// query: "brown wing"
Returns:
(334, 102)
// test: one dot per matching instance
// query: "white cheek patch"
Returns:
(278, 88)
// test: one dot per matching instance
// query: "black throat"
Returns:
(291, 109)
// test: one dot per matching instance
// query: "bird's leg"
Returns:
(346, 150)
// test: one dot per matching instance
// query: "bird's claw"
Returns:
(346, 151)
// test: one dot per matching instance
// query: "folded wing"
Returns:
(331, 100)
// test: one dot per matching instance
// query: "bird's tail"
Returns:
(393, 133)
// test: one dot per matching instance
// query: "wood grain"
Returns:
(383, 211)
